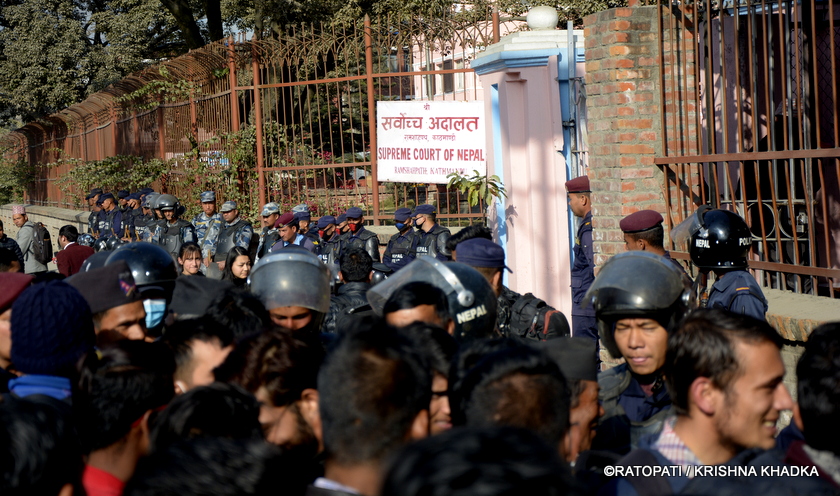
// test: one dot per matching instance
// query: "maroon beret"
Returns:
(640, 221)
(578, 185)
(13, 284)
(286, 219)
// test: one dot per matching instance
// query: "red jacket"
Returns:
(70, 259)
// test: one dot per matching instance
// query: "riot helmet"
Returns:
(638, 284)
(380, 273)
(113, 243)
(472, 302)
(95, 261)
(722, 241)
(101, 244)
(85, 240)
(167, 202)
(292, 278)
(151, 266)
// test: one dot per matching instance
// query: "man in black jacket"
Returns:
(356, 266)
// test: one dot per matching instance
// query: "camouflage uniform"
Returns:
(205, 226)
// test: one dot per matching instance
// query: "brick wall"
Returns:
(624, 124)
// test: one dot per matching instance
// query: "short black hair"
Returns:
(371, 387)
(497, 461)
(117, 385)
(69, 232)
(7, 258)
(418, 293)
(356, 265)
(216, 410)
(704, 346)
(818, 387)
(283, 362)
(218, 466)
(469, 232)
(438, 346)
(180, 336)
(240, 311)
(517, 387)
(655, 236)
(39, 449)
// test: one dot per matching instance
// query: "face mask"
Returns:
(419, 222)
(155, 311)
(354, 227)
(400, 226)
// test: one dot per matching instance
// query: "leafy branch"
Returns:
(478, 187)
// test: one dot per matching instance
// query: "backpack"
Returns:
(532, 318)
(42, 248)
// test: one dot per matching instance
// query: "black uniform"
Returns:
(350, 295)
(173, 236)
(364, 239)
(399, 250)
(433, 243)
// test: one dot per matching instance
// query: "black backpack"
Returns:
(42, 247)
(532, 318)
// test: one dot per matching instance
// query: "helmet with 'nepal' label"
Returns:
(721, 241)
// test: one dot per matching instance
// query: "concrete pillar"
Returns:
(521, 79)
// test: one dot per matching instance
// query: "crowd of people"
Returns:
(202, 358)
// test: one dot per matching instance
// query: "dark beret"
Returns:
(402, 214)
(13, 284)
(640, 221)
(578, 185)
(424, 209)
(325, 221)
(480, 252)
(286, 219)
(106, 287)
(575, 356)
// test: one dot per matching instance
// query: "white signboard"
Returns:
(422, 142)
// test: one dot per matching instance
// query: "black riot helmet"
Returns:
(95, 261)
(101, 244)
(85, 240)
(472, 302)
(168, 202)
(113, 243)
(379, 273)
(152, 267)
(638, 284)
(721, 241)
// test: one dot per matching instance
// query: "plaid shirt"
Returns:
(672, 447)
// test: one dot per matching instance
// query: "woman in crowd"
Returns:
(189, 258)
(237, 266)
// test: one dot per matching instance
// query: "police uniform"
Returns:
(110, 222)
(202, 222)
(433, 242)
(172, 236)
(327, 249)
(630, 414)
(646, 220)
(93, 217)
(738, 292)
(398, 252)
(362, 238)
(238, 233)
(583, 273)
(269, 234)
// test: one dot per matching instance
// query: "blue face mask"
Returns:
(400, 226)
(155, 312)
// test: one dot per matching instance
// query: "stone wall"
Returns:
(53, 218)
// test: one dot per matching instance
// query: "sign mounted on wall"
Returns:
(423, 141)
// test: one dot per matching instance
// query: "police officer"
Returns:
(638, 299)
(304, 217)
(132, 213)
(359, 237)
(93, 218)
(289, 234)
(142, 221)
(122, 200)
(583, 270)
(208, 221)
(269, 234)
(643, 231)
(432, 237)
(399, 250)
(110, 216)
(328, 245)
(721, 245)
(235, 231)
(173, 232)
(278, 281)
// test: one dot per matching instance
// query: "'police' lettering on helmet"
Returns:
(471, 314)
(744, 241)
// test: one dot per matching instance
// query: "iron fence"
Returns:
(750, 123)
(307, 100)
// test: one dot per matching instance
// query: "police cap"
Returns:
(578, 185)
(640, 221)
